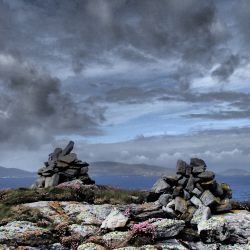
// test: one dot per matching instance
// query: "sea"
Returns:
(239, 184)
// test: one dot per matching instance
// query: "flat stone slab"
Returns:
(207, 175)
(23, 232)
(208, 198)
(180, 205)
(116, 219)
(68, 158)
(160, 186)
(234, 225)
(167, 228)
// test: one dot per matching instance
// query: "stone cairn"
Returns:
(63, 166)
(193, 193)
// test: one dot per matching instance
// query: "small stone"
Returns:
(196, 201)
(52, 181)
(208, 198)
(84, 170)
(54, 156)
(198, 170)
(227, 192)
(181, 167)
(167, 228)
(199, 187)
(169, 211)
(60, 164)
(68, 148)
(188, 215)
(207, 175)
(69, 158)
(196, 162)
(71, 172)
(115, 219)
(178, 176)
(161, 186)
(213, 230)
(183, 181)
(177, 191)
(49, 169)
(203, 213)
(186, 195)
(90, 246)
(225, 205)
(197, 192)
(164, 199)
(171, 204)
(180, 205)
(189, 170)
(190, 184)
(218, 190)
(171, 180)
(211, 185)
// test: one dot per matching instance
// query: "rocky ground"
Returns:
(107, 218)
(65, 210)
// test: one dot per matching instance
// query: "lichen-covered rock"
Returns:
(83, 230)
(203, 213)
(50, 210)
(202, 246)
(87, 214)
(160, 186)
(24, 233)
(90, 246)
(213, 230)
(234, 247)
(116, 219)
(233, 227)
(116, 239)
(167, 228)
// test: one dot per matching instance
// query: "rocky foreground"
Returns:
(82, 226)
(190, 210)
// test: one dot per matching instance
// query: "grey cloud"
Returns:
(134, 31)
(227, 68)
(36, 109)
(221, 149)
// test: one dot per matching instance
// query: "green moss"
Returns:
(5, 212)
(119, 196)
(25, 195)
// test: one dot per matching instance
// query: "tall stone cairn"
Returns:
(63, 166)
(192, 194)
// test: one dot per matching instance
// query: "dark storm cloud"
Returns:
(36, 109)
(132, 30)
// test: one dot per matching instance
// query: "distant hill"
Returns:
(15, 172)
(235, 172)
(117, 168)
(102, 168)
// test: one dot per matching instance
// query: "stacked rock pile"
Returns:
(63, 166)
(193, 193)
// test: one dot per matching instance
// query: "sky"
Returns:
(131, 81)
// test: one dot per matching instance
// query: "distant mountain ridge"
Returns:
(15, 172)
(118, 168)
(235, 172)
(110, 168)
